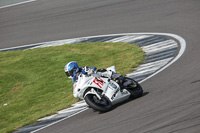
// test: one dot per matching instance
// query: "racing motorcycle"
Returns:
(101, 93)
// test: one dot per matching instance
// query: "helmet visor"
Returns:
(70, 73)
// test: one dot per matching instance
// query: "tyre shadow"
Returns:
(122, 103)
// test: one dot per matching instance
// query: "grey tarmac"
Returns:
(171, 103)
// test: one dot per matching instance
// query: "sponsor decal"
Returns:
(113, 96)
(98, 81)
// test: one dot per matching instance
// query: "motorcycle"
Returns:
(101, 93)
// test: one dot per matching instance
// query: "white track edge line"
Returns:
(78, 38)
(59, 120)
(182, 43)
(17, 4)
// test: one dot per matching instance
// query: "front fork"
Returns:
(98, 98)
(92, 91)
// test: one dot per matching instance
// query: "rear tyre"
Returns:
(102, 105)
(135, 89)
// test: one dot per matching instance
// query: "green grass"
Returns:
(34, 85)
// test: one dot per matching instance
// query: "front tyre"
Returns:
(102, 105)
(135, 89)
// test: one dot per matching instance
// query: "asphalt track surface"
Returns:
(171, 103)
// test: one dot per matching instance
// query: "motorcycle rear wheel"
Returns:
(135, 90)
(96, 105)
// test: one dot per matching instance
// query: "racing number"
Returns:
(98, 81)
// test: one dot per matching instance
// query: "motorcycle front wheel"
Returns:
(102, 105)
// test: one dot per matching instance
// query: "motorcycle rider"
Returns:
(72, 70)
